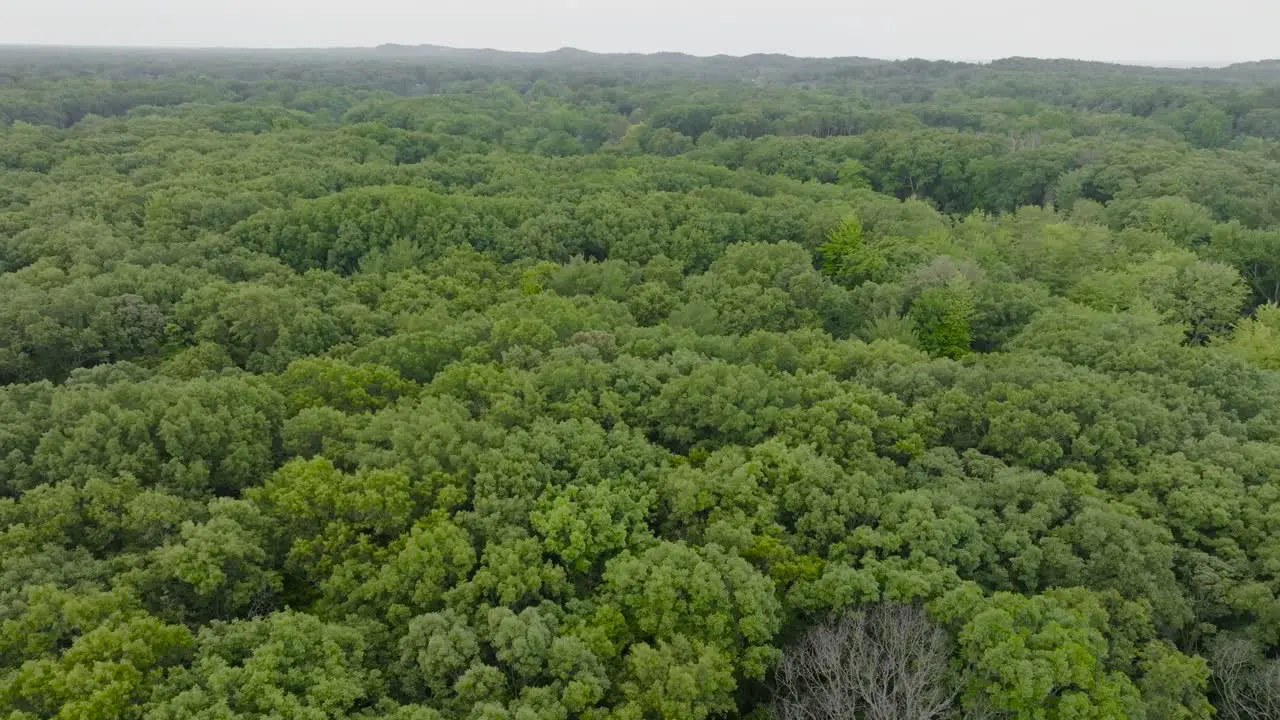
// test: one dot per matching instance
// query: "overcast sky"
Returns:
(1150, 31)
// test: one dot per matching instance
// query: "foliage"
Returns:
(419, 384)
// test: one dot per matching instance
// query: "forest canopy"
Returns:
(422, 384)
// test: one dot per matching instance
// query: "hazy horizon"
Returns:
(1144, 32)
(1170, 64)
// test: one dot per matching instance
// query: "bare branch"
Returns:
(887, 664)
(1247, 684)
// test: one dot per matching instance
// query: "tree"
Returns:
(943, 320)
(1211, 128)
(848, 259)
(1253, 253)
(311, 383)
(219, 567)
(1247, 683)
(103, 660)
(853, 174)
(289, 664)
(1063, 654)
(675, 679)
(889, 662)
(1257, 339)
(671, 591)
(1182, 221)
(323, 517)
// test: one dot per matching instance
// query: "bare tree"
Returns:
(889, 663)
(1247, 683)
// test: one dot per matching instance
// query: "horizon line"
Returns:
(196, 48)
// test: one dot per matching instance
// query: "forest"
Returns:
(412, 383)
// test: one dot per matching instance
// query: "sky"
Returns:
(1142, 31)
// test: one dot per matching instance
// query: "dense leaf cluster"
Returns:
(425, 384)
